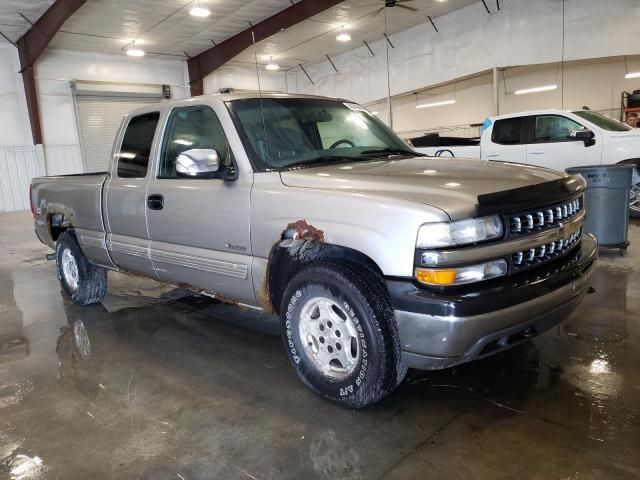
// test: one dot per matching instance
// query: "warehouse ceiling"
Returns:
(16, 17)
(311, 40)
(164, 28)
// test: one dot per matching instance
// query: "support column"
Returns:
(496, 91)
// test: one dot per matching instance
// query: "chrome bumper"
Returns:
(438, 341)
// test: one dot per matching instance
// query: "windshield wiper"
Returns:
(323, 159)
(391, 151)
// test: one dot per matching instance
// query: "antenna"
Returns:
(264, 125)
(388, 72)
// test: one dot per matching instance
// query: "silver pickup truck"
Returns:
(375, 257)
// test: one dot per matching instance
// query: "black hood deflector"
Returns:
(532, 196)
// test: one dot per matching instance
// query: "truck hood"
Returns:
(453, 185)
(627, 135)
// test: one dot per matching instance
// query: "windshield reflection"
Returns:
(280, 133)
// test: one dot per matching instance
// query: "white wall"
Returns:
(597, 84)
(14, 118)
(523, 32)
(19, 158)
(56, 68)
(244, 77)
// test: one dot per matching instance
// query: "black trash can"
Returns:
(606, 201)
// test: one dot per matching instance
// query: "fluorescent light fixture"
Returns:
(272, 66)
(436, 104)
(546, 88)
(199, 11)
(632, 75)
(135, 52)
(343, 37)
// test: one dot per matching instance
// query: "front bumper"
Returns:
(440, 330)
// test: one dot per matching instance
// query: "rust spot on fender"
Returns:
(303, 231)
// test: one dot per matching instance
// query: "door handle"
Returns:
(155, 202)
(492, 155)
(537, 152)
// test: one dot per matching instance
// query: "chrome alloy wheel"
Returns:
(329, 337)
(634, 198)
(70, 269)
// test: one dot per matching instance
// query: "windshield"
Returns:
(602, 121)
(299, 132)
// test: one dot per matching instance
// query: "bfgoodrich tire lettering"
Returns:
(363, 300)
(82, 281)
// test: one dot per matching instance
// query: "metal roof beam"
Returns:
(208, 61)
(30, 47)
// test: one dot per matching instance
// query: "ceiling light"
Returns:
(135, 52)
(436, 104)
(632, 75)
(343, 37)
(375, 112)
(199, 11)
(546, 88)
(272, 66)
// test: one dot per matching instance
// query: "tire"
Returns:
(634, 196)
(82, 281)
(340, 334)
(634, 201)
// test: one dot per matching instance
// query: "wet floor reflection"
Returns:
(185, 389)
(13, 344)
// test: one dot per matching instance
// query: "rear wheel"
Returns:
(82, 281)
(340, 334)
(634, 201)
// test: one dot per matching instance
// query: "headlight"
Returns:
(463, 232)
(462, 275)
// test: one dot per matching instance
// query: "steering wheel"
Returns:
(339, 142)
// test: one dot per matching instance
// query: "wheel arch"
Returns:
(289, 257)
(57, 223)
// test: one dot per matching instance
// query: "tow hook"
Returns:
(50, 257)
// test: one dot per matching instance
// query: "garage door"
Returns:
(99, 117)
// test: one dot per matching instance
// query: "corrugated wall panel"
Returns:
(18, 165)
(63, 159)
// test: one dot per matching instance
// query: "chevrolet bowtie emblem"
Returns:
(561, 231)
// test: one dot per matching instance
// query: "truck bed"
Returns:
(77, 197)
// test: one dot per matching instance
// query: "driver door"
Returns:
(553, 146)
(199, 228)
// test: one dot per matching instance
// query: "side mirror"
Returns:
(198, 163)
(583, 135)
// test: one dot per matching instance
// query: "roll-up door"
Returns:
(99, 115)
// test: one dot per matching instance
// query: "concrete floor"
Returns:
(159, 385)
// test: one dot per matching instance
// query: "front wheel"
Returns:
(634, 201)
(82, 281)
(341, 336)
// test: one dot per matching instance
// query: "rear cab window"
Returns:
(135, 151)
(508, 131)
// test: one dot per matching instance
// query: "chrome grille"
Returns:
(545, 252)
(543, 218)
